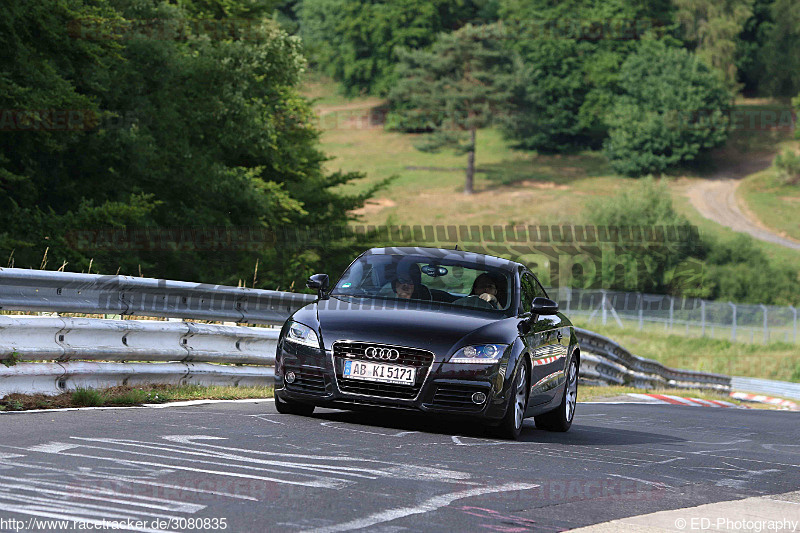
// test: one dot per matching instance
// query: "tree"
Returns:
(673, 108)
(206, 132)
(571, 53)
(355, 41)
(780, 54)
(711, 27)
(749, 43)
(457, 87)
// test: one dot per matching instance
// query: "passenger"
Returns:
(404, 288)
(408, 284)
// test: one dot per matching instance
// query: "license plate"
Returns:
(363, 370)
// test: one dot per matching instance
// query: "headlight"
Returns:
(300, 334)
(483, 353)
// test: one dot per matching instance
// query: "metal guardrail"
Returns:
(67, 292)
(605, 360)
(166, 352)
(186, 351)
(767, 386)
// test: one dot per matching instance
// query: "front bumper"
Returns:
(446, 388)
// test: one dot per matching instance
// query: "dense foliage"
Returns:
(357, 41)
(204, 131)
(734, 269)
(672, 109)
(570, 56)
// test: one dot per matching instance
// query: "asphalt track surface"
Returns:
(344, 471)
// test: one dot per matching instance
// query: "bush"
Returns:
(787, 166)
(732, 269)
(673, 108)
(649, 266)
(87, 398)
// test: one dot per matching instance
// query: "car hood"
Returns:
(439, 329)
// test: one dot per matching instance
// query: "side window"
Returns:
(528, 286)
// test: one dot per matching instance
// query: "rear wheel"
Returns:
(510, 426)
(560, 418)
(293, 408)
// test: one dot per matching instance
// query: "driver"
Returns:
(486, 289)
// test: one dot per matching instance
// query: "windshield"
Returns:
(411, 277)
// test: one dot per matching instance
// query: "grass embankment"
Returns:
(774, 202)
(130, 396)
(777, 360)
(512, 187)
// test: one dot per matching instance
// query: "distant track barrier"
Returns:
(56, 353)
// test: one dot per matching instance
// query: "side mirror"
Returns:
(319, 283)
(544, 306)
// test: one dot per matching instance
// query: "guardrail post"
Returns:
(671, 310)
(703, 316)
(603, 311)
(641, 312)
(766, 328)
(733, 322)
(794, 323)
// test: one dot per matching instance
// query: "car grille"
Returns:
(420, 359)
(457, 396)
(308, 380)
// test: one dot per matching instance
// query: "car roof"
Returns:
(438, 253)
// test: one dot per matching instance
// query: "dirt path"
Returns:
(715, 199)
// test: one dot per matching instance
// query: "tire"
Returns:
(510, 426)
(560, 418)
(293, 408)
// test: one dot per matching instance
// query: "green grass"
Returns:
(130, 396)
(773, 202)
(778, 254)
(88, 398)
(777, 360)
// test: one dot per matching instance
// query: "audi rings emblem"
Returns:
(384, 354)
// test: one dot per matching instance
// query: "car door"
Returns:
(546, 342)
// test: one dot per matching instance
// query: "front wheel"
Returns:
(560, 418)
(293, 408)
(510, 426)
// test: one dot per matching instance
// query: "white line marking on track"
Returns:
(104, 496)
(52, 447)
(126, 479)
(325, 483)
(433, 504)
(332, 425)
(340, 470)
(33, 511)
(656, 484)
(409, 471)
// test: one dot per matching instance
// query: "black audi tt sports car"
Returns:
(435, 330)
